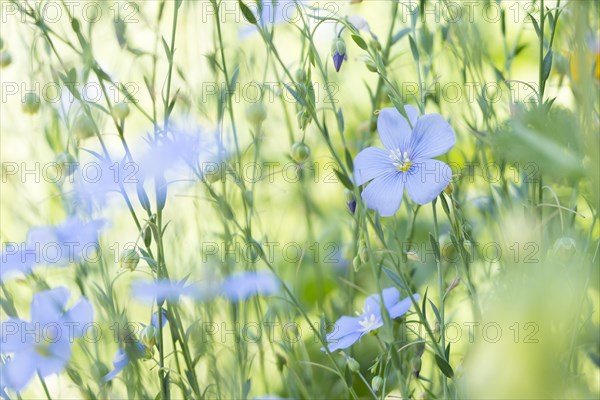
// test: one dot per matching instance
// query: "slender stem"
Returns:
(46, 391)
(441, 292)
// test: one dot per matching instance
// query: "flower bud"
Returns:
(304, 119)
(565, 246)
(353, 365)
(280, 361)
(413, 255)
(371, 66)
(455, 282)
(339, 46)
(129, 259)
(256, 114)
(31, 103)
(377, 383)
(5, 58)
(376, 45)
(212, 172)
(148, 353)
(120, 110)
(66, 162)
(338, 49)
(363, 253)
(356, 263)
(300, 75)
(83, 127)
(160, 189)
(415, 364)
(300, 152)
(149, 336)
(350, 200)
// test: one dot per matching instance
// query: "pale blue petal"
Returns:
(371, 163)
(13, 337)
(60, 353)
(247, 284)
(120, 361)
(82, 314)
(49, 305)
(21, 368)
(343, 327)
(154, 320)
(14, 261)
(390, 297)
(402, 307)
(426, 180)
(345, 342)
(384, 193)
(160, 290)
(123, 357)
(394, 130)
(432, 137)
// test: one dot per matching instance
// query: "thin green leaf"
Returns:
(444, 366)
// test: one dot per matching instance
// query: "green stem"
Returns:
(441, 293)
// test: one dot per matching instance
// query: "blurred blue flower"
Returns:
(348, 330)
(272, 12)
(123, 357)
(67, 242)
(57, 245)
(166, 289)
(242, 286)
(276, 11)
(134, 351)
(154, 319)
(16, 259)
(406, 161)
(95, 181)
(44, 343)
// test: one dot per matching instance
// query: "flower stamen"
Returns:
(400, 160)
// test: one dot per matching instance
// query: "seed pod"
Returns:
(84, 127)
(120, 110)
(256, 114)
(5, 58)
(300, 152)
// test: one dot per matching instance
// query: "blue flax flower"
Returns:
(67, 242)
(56, 245)
(406, 161)
(348, 330)
(168, 290)
(43, 345)
(242, 286)
(133, 351)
